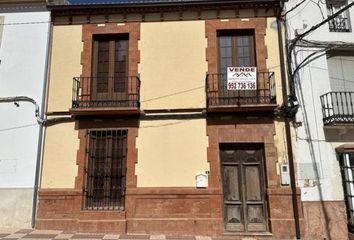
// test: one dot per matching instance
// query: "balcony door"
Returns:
(236, 49)
(110, 69)
(244, 194)
(341, 23)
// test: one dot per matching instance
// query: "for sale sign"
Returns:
(241, 78)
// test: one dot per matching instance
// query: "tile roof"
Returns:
(93, 2)
(127, 1)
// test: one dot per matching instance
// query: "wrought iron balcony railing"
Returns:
(108, 92)
(339, 24)
(218, 95)
(338, 108)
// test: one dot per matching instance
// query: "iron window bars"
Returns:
(105, 170)
(346, 161)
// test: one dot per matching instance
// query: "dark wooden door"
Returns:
(244, 188)
(110, 68)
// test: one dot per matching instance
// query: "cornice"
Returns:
(104, 9)
(22, 5)
(10, 2)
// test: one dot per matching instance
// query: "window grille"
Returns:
(347, 171)
(105, 170)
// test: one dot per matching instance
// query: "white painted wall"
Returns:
(309, 14)
(341, 73)
(22, 72)
(324, 181)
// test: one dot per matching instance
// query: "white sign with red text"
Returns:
(241, 78)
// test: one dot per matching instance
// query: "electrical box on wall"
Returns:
(201, 181)
(285, 175)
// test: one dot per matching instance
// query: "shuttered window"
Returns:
(110, 67)
(105, 169)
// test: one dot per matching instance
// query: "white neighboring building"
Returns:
(325, 130)
(24, 34)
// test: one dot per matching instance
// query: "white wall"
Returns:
(22, 71)
(321, 180)
(318, 170)
(309, 14)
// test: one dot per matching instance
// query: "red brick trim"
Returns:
(132, 157)
(253, 130)
(259, 26)
(241, 130)
(88, 30)
(212, 54)
(62, 208)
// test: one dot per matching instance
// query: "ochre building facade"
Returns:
(143, 91)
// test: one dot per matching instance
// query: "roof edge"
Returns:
(9, 2)
(7, 6)
(64, 4)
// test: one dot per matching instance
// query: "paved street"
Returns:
(29, 234)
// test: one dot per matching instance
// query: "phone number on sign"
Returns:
(241, 86)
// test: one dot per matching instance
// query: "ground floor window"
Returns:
(105, 169)
(346, 160)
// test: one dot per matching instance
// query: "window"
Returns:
(108, 82)
(105, 169)
(341, 22)
(110, 67)
(236, 49)
(346, 161)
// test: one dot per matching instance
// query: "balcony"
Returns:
(339, 24)
(106, 96)
(338, 108)
(219, 99)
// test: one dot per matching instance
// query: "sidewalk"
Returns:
(29, 234)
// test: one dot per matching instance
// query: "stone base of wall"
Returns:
(170, 211)
(62, 210)
(173, 211)
(325, 220)
(187, 212)
(282, 223)
(16, 207)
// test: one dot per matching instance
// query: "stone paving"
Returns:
(31, 234)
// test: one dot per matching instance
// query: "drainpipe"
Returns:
(41, 129)
(288, 133)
